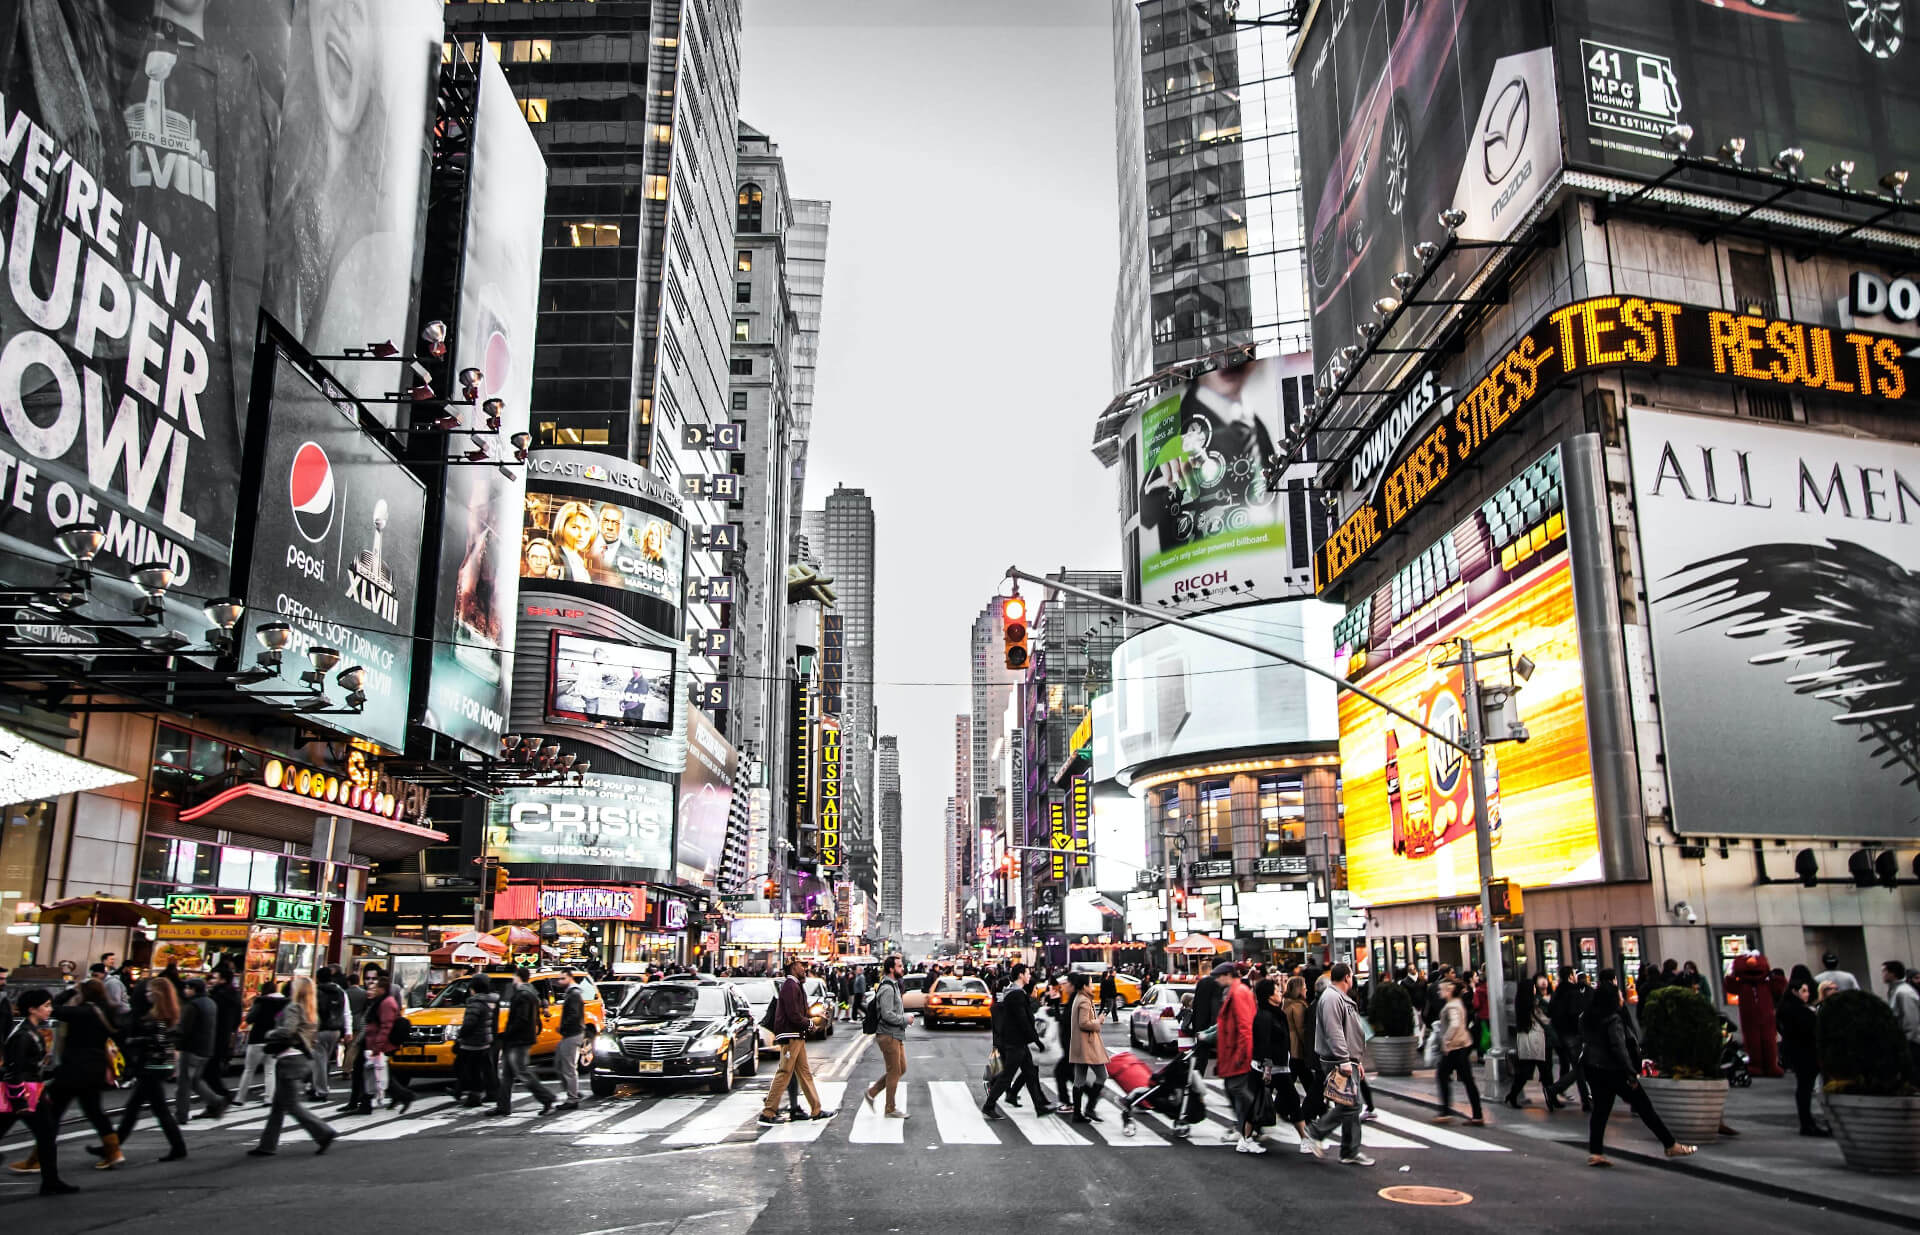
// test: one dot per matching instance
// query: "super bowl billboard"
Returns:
(170, 170)
(1780, 578)
(1408, 108)
(706, 799)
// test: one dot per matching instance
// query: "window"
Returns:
(594, 235)
(1283, 816)
(740, 366)
(663, 133)
(1752, 283)
(743, 293)
(1216, 819)
(741, 327)
(535, 110)
(739, 400)
(656, 188)
(744, 261)
(748, 214)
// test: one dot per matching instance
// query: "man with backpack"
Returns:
(790, 1021)
(331, 1004)
(516, 1045)
(887, 1022)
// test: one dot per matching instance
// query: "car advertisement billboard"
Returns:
(473, 630)
(1780, 575)
(334, 552)
(602, 682)
(1213, 497)
(1503, 579)
(583, 540)
(706, 799)
(602, 820)
(1408, 108)
(1841, 81)
(165, 178)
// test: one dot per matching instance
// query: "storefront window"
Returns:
(303, 876)
(1216, 819)
(1283, 816)
(28, 829)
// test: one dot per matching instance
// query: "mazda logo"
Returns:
(1504, 138)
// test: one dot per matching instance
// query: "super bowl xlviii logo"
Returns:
(314, 497)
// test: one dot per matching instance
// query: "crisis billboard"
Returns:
(1841, 81)
(1780, 567)
(473, 632)
(706, 799)
(1408, 108)
(604, 820)
(334, 551)
(165, 179)
(583, 540)
(1504, 579)
(1214, 504)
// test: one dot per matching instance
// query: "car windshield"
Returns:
(666, 1001)
(816, 988)
(755, 990)
(455, 996)
(966, 986)
(913, 982)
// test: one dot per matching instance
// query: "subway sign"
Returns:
(1620, 332)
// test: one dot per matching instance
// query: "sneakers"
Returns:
(768, 1121)
(1680, 1151)
(820, 1114)
(1315, 1146)
(1357, 1160)
(1230, 1136)
(903, 1115)
(1247, 1145)
(1369, 1116)
(869, 1099)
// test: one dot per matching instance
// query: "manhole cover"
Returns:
(1413, 1194)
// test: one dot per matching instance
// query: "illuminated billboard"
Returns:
(706, 799)
(829, 794)
(604, 820)
(597, 681)
(582, 540)
(1503, 579)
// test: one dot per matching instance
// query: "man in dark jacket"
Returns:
(196, 1036)
(1015, 1036)
(573, 1028)
(331, 1003)
(791, 1019)
(516, 1044)
(1201, 1016)
(224, 990)
(1564, 1007)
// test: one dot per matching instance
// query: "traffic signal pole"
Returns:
(1472, 748)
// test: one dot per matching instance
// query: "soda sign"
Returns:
(209, 907)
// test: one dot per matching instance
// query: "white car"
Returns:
(1155, 1023)
(759, 994)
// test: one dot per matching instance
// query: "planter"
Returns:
(1876, 1134)
(1691, 1109)
(1393, 1056)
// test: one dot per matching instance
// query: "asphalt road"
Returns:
(683, 1161)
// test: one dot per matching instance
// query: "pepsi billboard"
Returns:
(333, 551)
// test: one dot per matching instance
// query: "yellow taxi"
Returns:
(1125, 986)
(952, 1001)
(431, 1046)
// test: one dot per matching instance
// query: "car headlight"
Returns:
(712, 1044)
(605, 1044)
(819, 1009)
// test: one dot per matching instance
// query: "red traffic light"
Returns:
(1014, 610)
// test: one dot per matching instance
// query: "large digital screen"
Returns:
(597, 681)
(1503, 579)
(584, 540)
(750, 932)
(604, 820)
(1781, 583)
(706, 799)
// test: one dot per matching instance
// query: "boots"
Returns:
(29, 1165)
(110, 1155)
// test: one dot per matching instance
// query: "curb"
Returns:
(1692, 1166)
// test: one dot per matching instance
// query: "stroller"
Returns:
(1172, 1089)
(1734, 1064)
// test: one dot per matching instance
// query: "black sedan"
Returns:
(677, 1031)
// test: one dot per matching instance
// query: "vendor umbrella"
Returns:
(465, 954)
(100, 910)
(515, 936)
(562, 928)
(490, 943)
(1204, 945)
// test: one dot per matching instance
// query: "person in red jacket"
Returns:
(1233, 1054)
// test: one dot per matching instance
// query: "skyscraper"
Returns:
(888, 761)
(841, 534)
(960, 826)
(806, 283)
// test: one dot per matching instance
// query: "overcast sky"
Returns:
(967, 148)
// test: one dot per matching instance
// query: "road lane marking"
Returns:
(572, 1121)
(1439, 1135)
(1043, 1129)
(832, 1094)
(720, 1122)
(959, 1120)
(1115, 1134)
(870, 1127)
(394, 1129)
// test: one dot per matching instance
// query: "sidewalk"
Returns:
(1768, 1156)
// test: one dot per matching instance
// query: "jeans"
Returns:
(192, 1078)
(794, 1069)
(150, 1090)
(1017, 1068)
(257, 1061)
(894, 1052)
(1346, 1117)
(326, 1046)
(1244, 1094)
(289, 1095)
(1803, 1079)
(1460, 1063)
(566, 1061)
(515, 1066)
(1611, 1083)
(475, 1073)
(1573, 1069)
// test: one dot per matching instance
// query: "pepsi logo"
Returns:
(310, 491)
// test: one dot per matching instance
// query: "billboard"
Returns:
(1178, 692)
(473, 625)
(596, 681)
(605, 820)
(335, 551)
(1842, 81)
(1213, 499)
(160, 183)
(706, 799)
(1408, 109)
(830, 765)
(584, 540)
(1503, 579)
(1780, 575)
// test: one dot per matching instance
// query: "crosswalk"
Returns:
(941, 1114)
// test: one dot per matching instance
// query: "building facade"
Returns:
(888, 778)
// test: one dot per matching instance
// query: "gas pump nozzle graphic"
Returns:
(1657, 88)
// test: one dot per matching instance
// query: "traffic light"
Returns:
(769, 889)
(1013, 618)
(499, 880)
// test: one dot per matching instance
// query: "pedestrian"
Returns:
(331, 1000)
(1564, 1009)
(573, 1029)
(474, 1067)
(291, 1042)
(84, 1071)
(516, 1041)
(790, 1022)
(1905, 1001)
(358, 1103)
(151, 1059)
(1456, 1045)
(1692, 978)
(1059, 1001)
(224, 993)
(383, 1011)
(1110, 995)
(856, 1006)
(194, 1037)
(1799, 1024)
(117, 1001)
(1612, 1057)
(1340, 1044)
(1200, 1018)
(1306, 1064)
(892, 1035)
(1233, 1046)
(262, 1014)
(1841, 979)
(1530, 1041)
(1273, 1056)
(23, 1062)
(1085, 1050)
(1014, 1037)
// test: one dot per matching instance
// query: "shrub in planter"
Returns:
(1680, 1033)
(1391, 1011)
(1870, 1095)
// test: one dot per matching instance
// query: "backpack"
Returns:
(401, 1032)
(870, 1020)
(333, 1008)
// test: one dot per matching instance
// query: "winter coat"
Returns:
(149, 1045)
(479, 1021)
(1085, 1046)
(1233, 1047)
(83, 1055)
(1271, 1038)
(199, 1029)
(1798, 1023)
(1013, 1020)
(295, 1028)
(1337, 1035)
(1564, 1010)
(331, 1003)
(1530, 1036)
(1607, 1044)
(228, 1014)
(573, 1012)
(1453, 1026)
(1299, 1028)
(791, 1017)
(262, 1016)
(25, 1054)
(380, 1019)
(523, 1017)
(892, 1012)
(1206, 1005)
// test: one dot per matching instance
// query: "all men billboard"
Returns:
(1780, 574)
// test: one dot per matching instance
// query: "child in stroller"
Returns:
(1171, 1090)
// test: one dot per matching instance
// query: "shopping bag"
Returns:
(994, 1066)
(1343, 1086)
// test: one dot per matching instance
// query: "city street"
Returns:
(689, 1161)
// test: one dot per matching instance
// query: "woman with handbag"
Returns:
(291, 1044)
(1531, 1027)
(153, 1059)
(1085, 1051)
(90, 1060)
(1458, 1044)
(1273, 1055)
(21, 1096)
(1613, 1065)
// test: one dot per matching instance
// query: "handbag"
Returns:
(1342, 1087)
(995, 1066)
(116, 1058)
(20, 1098)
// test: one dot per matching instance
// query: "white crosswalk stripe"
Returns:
(872, 1127)
(1443, 1137)
(721, 1122)
(959, 1120)
(832, 1094)
(1043, 1129)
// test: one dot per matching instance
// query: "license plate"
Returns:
(410, 1052)
(645, 1066)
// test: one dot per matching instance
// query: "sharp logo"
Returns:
(1504, 138)
(310, 491)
